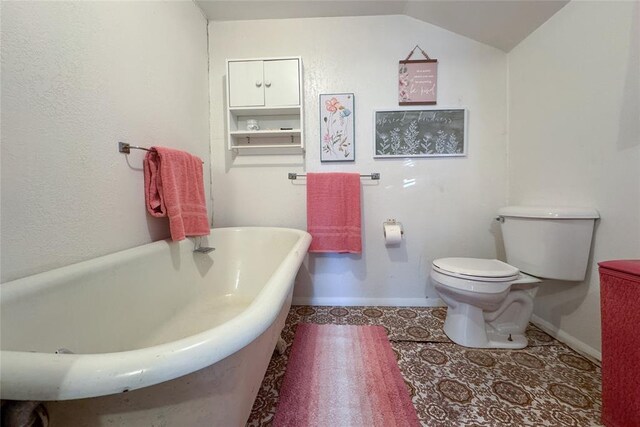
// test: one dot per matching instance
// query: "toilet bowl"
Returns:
(489, 302)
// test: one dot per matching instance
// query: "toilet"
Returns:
(490, 302)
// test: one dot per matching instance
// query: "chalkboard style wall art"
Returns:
(337, 128)
(420, 133)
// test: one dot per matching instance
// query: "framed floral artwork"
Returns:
(420, 132)
(337, 131)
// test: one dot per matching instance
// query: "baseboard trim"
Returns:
(381, 302)
(570, 340)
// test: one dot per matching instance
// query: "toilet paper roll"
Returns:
(392, 234)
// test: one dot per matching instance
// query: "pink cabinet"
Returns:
(620, 305)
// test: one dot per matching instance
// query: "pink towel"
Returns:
(333, 212)
(174, 188)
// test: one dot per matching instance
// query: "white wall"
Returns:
(77, 77)
(574, 140)
(446, 205)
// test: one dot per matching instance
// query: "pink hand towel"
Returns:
(174, 188)
(333, 212)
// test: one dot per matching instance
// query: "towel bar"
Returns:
(373, 175)
(125, 148)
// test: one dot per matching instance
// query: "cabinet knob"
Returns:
(258, 83)
(267, 83)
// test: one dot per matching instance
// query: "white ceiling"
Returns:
(502, 24)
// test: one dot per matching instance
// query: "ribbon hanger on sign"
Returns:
(413, 51)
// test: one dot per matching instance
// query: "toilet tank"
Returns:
(552, 243)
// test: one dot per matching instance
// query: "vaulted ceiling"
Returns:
(502, 24)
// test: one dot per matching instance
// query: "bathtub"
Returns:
(159, 335)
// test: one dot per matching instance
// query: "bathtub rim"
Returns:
(75, 376)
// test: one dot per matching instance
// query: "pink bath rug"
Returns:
(343, 375)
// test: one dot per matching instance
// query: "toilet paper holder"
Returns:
(392, 221)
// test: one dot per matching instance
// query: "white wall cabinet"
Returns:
(273, 83)
(268, 90)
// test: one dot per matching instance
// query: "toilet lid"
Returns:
(477, 268)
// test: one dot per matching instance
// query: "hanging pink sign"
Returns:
(417, 80)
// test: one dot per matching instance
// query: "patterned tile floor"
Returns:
(546, 384)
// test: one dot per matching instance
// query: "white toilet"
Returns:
(490, 302)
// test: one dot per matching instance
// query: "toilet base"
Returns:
(465, 325)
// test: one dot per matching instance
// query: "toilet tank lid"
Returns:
(548, 212)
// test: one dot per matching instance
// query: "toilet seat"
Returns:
(484, 270)
(476, 275)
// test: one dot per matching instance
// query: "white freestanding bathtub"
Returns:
(160, 335)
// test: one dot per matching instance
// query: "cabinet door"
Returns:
(246, 86)
(281, 86)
